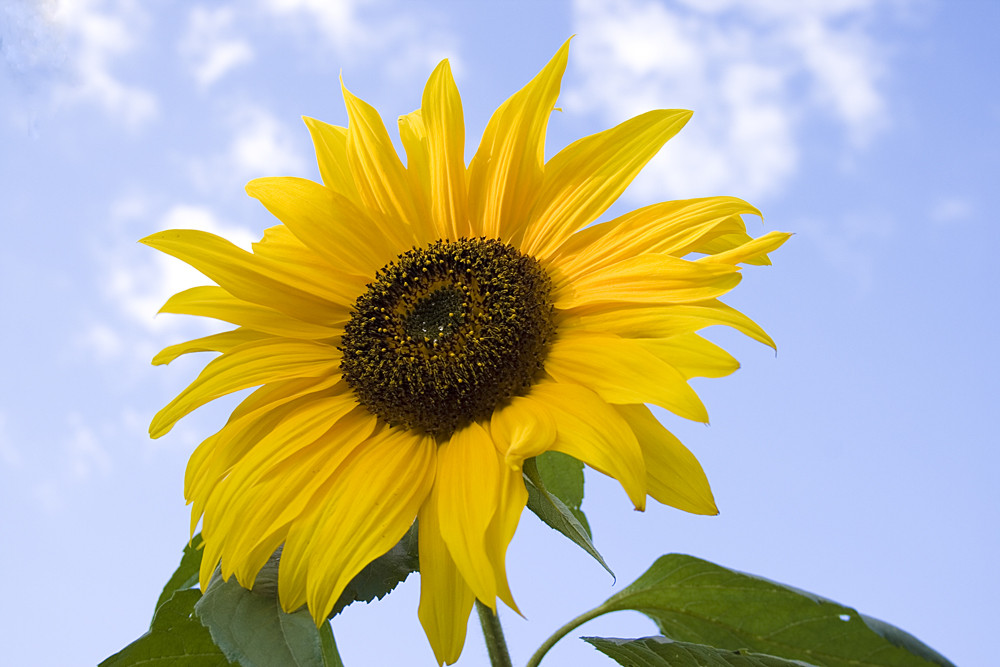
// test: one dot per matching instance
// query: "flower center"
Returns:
(446, 333)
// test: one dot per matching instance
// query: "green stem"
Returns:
(493, 633)
(562, 632)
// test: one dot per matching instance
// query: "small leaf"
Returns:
(176, 637)
(186, 574)
(663, 652)
(554, 512)
(696, 601)
(563, 478)
(251, 628)
(383, 574)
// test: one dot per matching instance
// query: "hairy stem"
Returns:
(562, 632)
(493, 633)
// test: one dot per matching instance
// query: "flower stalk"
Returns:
(493, 634)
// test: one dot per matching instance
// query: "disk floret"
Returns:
(446, 333)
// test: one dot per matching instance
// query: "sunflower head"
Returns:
(447, 332)
(416, 332)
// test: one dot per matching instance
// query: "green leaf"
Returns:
(563, 478)
(331, 656)
(904, 640)
(383, 574)
(251, 628)
(550, 509)
(186, 574)
(663, 652)
(176, 637)
(696, 601)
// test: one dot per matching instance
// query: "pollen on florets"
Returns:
(446, 333)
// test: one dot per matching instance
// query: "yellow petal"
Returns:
(282, 248)
(674, 476)
(249, 365)
(220, 342)
(587, 176)
(650, 278)
(588, 429)
(413, 134)
(249, 277)
(237, 511)
(692, 355)
(252, 420)
(327, 223)
(620, 371)
(370, 504)
(441, 110)
(662, 321)
(332, 447)
(215, 302)
(378, 172)
(467, 487)
(265, 503)
(506, 172)
(229, 504)
(330, 142)
(445, 599)
(752, 252)
(672, 227)
(513, 498)
(521, 430)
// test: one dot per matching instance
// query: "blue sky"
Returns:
(858, 463)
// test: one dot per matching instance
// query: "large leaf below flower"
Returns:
(554, 512)
(663, 652)
(252, 630)
(692, 600)
(176, 637)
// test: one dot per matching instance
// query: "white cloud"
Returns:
(210, 47)
(338, 20)
(140, 289)
(137, 281)
(86, 455)
(47, 496)
(97, 33)
(261, 144)
(850, 245)
(361, 29)
(949, 210)
(81, 458)
(104, 341)
(264, 145)
(753, 71)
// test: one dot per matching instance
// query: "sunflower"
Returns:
(417, 332)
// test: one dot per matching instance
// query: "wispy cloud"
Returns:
(951, 210)
(361, 29)
(85, 455)
(850, 244)
(140, 290)
(754, 73)
(260, 144)
(138, 280)
(73, 46)
(210, 46)
(79, 457)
